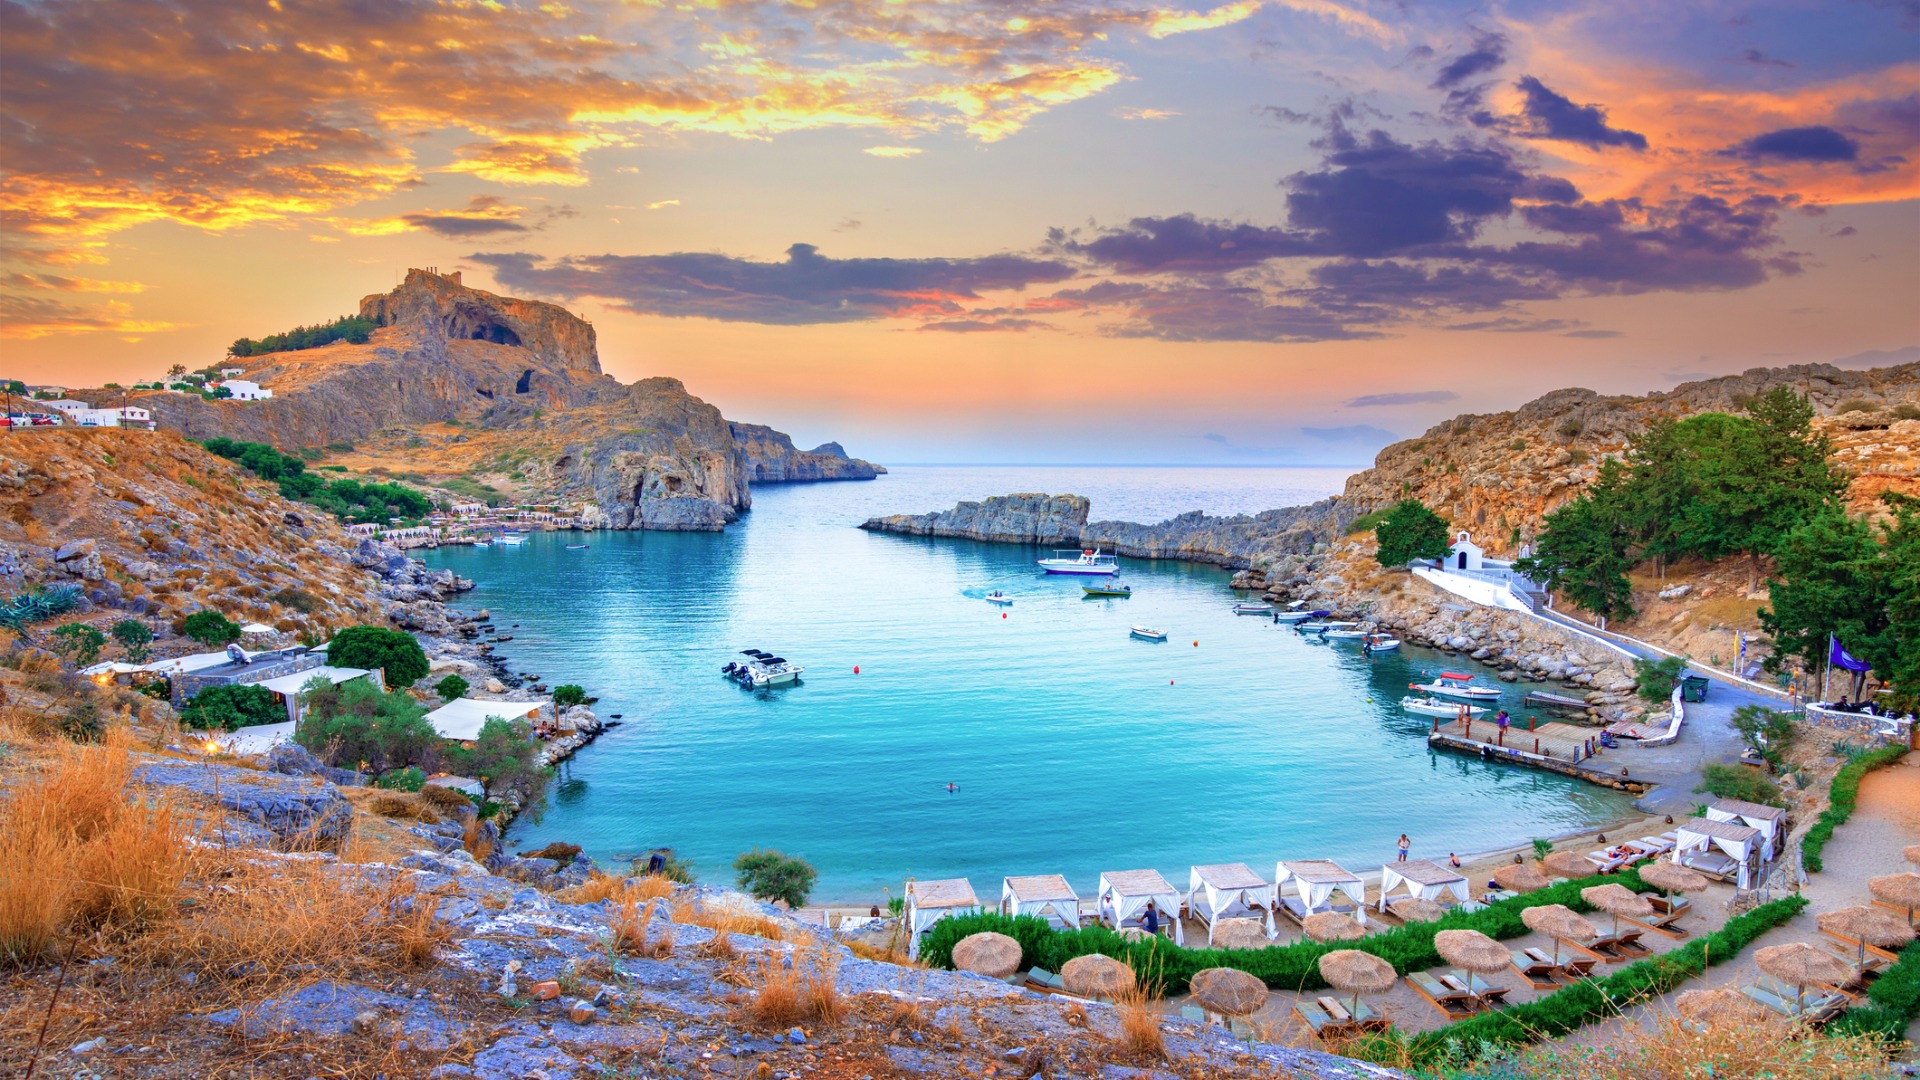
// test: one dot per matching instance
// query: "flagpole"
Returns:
(1828, 676)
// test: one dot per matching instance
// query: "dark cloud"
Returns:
(1593, 334)
(1845, 230)
(806, 288)
(1488, 53)
(1760, 59)
(1549, 115)
(1699, 243)
(1817, 143)
(455, 227)
(984, 326)
(1183, 242)
(1407, 285)
(1216, 312)
(1514, 324)
(1404, 397)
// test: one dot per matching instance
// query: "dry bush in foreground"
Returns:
(399, 804)
(1751, 1051)
(599, 886)
(1140, 1035)
(727, 921)
(796, 989)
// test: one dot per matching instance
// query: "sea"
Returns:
(936, 735)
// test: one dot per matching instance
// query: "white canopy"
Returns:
(1770, 820)
(1046, 896)
(192, 662)
(111, 667)
(288, 686)
(1423, 878)
(1699, 837)
(1125, 894)
(256, 628)
(462, 718)
(1226, 890)
(1316, 880)
(930, 901)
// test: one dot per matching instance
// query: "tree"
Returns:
(505, 758)
(176, 371)
(134, 639)
(1841, 577)
(358, 725)
(567, 695)
(1411, 531)
(209, 627)
(1766, 732)
(1658, 678)
(79, 643)
(770, 875)
(231, 706)
(1584, 549)
(452, 688)
(394, 652)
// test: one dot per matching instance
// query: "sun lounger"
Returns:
(1455, 1003)
(1877, 960)
(1607, 864)
(1662, 907)
(1316, 1018)
(1653, 845)
(1480, 993)
(1242, 1028)
(1046, 980)
(1711, 863)
(1540, 973)
(1817, 1007)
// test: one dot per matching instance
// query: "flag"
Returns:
(1839, 657)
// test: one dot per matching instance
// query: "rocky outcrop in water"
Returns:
(1243, 540)
(773, 459)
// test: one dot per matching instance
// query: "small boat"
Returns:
(1452, 684)
(1252, 609)
(762, 669)
(1374, 643)
(998, 597)
(1081, 561)
(1110, 587)
(1349, 632)
(511, 539)
(1326, 628)
(482, 542)
(1431, 706)
(1148, 633)
(576, 547)
(1298, 612)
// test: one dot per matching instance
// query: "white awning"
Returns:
(930, 901)
(291, 684)
(1226, 890)
(1316, 880)
(1704, 834)
(1125, 894)
(256, 628)
(1423, 878)
(1045, 896)
(463, 718)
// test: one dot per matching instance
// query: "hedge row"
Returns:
(1286, 967)
(1893, 1001)
(1841, 798)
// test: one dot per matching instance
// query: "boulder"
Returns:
(301, 813)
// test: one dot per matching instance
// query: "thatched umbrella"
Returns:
(1866, 926)
(1671, 877)
(1801, 964)
(1416, 909)
(1725, 1006)
(1557, 921)
(1095, 975)
(1359, 972)
(1332, 926)
(1520, 877)
(1566, 864)
(1228, 991)
(1899, 890)
(1912, 853)
(1618, 900)
(1240, 934)
(994, 955)
(1472, 950)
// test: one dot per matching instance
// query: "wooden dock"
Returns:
(1540, 699)
(1567, 749)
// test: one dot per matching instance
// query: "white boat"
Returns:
(1453, 684)
(1431, 706)
(1252, 609)
(1350, 632)
(1298, 612)
(1081, 561)
(1379, 643)
(998, 597)
(762, 669)
(1327, 628)
(511, 539)
(1148, 633)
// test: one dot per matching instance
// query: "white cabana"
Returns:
(187, 665)
(1228, 890)
(930, 901)
(1044, 896)
(1770, 820)
(1314, 883)
(1718, 849)
(254, 628)
(1125, 894)
(1423, 878)
(462, 718)
(289, 686)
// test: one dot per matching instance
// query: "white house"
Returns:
(232, 372)
(242, 390)
(468, 509)
(1466, 555)
(68, 406)
(127, 416)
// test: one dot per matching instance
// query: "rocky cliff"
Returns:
(519, 383)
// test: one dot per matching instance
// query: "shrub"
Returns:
(1570, 427)
(226, 708)
(559, 851)
(770, 875)
(299, 600)
(1517, 445)
(1738, 782)
(209, 627)
(442, 797)
(348, 328)
(394, 652)
(452, 688)
(1842, 797)
(1411, 531)
(1367, 522)
(505, 758)
(1893, 1001)
(409, 779)
(1767, 732)
(567, 695)
(1856, 405)
(358, 725)
(79, 643)
(134, 638)
(35, 605)
(1658, 678)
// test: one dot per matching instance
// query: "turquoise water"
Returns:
(1075, 748)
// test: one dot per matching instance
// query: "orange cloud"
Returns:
(30, 317)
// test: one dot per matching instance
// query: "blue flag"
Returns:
(1841, 658)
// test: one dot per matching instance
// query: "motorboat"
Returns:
(1298, 612)
(1081, 561)
(576, 547)
(1248, 608)
(998, 597)
(511, 539)
(1432, 706)
(1374, 643)
(1453, 684)
(1147, 633)
(762, 669)
(1346, 632)
(1110, 587)
(1326, 628)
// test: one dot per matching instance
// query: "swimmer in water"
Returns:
(952, 788)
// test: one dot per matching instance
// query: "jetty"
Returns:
(1567, 749)
(1541, 699)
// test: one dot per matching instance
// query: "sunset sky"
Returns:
(980, 230)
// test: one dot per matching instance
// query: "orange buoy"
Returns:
(1196, 644)
(856, 669)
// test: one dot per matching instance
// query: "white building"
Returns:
(232, 372)
(1466, 555)
(468, 509)
(242, 390)
(126, 416)
(67, 405)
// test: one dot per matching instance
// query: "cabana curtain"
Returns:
(1047, 898)
(1315, 894)
(1739, 849)
(1127, 908)
(1219, 892)
(1422, 882)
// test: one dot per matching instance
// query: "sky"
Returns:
(1264, 232)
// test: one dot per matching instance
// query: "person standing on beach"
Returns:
(1405, 844)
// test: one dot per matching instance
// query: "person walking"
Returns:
(1405, 845)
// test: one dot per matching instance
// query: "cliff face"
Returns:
(535, 417)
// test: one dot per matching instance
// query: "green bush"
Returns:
(770, 875)
(134, 638)
(348, 328)
(1411, 531)
(299, 600)
(452, 688)
(79, 643)
(357, 725)
(1768, 732)
(209, 627)
(37, 604)
(1893, 1001)
(505, 758)
(349, 500)
(1744, 782)
(1658, 678)
(394, 652)
(232, 706)
(1841, 798)
(407, 779)
(567, 695)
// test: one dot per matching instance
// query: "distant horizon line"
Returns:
(1125, 465)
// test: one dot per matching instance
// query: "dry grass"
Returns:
(797, 989)
(476, 842)
(718, 947)
(400, 804)
(728, 921)
(599, 886)
(1140, 1036)
(628, 929)
(891, 953)
(1673, 1051)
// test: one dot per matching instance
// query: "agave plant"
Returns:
(38, 604)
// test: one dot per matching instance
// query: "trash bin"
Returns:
(1693, 688)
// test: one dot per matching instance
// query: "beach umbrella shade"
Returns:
(1416, 909)
(1801, 964)
(1725, 1006)
(1332, 926)
(1566, 864)
(993, 955)
(1472, 950)
(1670, 876)
(1617, 900)
(1357, 972)
(1228, 991)
(1558, 921)
(1095, 975)
(1520, 877)
(1899, 890)
(1240, 934)
(1866, 926)
(1912, 853)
